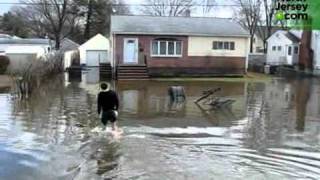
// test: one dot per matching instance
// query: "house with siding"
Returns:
(283, 48)
(297, 48)
(149, 46)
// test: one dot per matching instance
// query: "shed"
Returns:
(95, 51)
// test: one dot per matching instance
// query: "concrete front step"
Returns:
(132, 72)
(126, 70)
(133, 75)
(132, 67)
(129, 69)
(132, 78)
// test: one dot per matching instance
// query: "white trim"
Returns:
(166, 55)
(136, 50)
(167, 48)
(179, 34)
(223, 44)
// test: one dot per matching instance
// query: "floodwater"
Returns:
(272, 131)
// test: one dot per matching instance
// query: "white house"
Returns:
(315, 45)
(95, 51)
(283, 48)
(37, 47)
(260, 35)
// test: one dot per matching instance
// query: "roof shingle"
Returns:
(197, 26)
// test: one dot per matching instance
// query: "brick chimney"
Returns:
(306, 54)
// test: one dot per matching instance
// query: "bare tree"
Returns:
(97, 15)
(168, 7)
(248, 15)
(120, 8)
(55, 18)
(266, 25)
(207, 6)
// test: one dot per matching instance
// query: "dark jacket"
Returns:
(107, 100)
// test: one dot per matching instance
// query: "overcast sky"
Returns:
(217, 12)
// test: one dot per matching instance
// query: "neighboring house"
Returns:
(39, 47)
(5, 36)
(68, 45)
(95, 51)
(258, 44)
(260, 35)
(172, 46)
(277, 58)
(315, 45)
(69, 49)
(21, 51)
(283, 48)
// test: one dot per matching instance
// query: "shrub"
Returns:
(4, 63)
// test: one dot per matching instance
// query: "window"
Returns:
(171, 48)
(232, 46)
(154, 47)
(219, 45)
(296, 50)
(178, 47)
(166, 48)
(273, 48)
(225, 45)
(163, 47)
(215, 45)
(289, 50)
(279, 48)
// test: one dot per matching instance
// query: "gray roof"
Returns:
(292, 37)
(25, 41)
(176, 26)
(262, 31)
(6, 36)
(67, 44)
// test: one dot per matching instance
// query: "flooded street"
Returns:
(272, 131)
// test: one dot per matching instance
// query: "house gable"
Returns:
(280, 36)
(98, 42)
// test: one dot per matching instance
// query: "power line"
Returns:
(113, 4)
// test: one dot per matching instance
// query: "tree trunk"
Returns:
(251, 42)
(88, 24)
(57, 39)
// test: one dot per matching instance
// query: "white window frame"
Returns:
(274, 48)
(167, 48)
(290, 51)
(223, 44)
(296, 47)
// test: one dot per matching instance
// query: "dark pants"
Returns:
(108, 115)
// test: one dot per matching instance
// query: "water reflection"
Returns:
(271, 132)
(302, 96)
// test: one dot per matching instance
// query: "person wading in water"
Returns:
(108, 104)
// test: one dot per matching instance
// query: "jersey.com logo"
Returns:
(291, 10)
